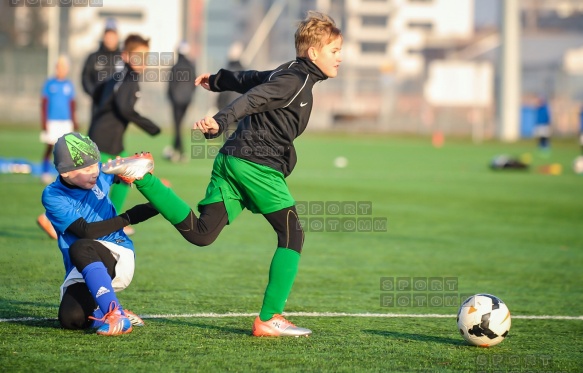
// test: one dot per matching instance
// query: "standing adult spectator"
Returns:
(180, 90)
(101, 64)
(234, 64)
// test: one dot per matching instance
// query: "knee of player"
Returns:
(292, 239)
(73, 319)
(203, 240)
(78, 250)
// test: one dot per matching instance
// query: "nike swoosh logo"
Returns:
(302, 104)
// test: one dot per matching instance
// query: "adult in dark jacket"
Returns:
(101, 64)
(234, 64)
(180, 90)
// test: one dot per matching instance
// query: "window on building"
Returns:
(374, 21)
(426, 26)
(373, 48)
(133, 15)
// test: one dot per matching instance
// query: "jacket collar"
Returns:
(312, 69)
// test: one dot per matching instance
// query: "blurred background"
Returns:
(471, 68)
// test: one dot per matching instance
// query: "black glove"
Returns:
(140, 213)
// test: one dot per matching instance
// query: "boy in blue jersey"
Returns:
(97, 254)
(57, 112)
(57, 119)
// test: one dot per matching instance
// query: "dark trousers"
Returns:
(204, 229)
(78, 303)
(178, 112)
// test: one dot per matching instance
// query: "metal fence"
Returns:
(354, 101)
(22, 74)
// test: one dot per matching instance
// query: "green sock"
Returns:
(163, 199)
(118, 194)
(282, 273)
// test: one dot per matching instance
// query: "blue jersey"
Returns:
(59, 94)
(543, 116)
(65, 204)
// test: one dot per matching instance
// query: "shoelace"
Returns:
(112, 309)
(283, 319)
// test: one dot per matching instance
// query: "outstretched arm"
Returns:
(125, 100)
(137, 214)
(236, 81)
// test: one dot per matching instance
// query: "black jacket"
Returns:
(113, 109)
(99, 67)
(181, 86)
(226, 97)
(275, 107)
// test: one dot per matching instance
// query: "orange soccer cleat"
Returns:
(114, 323)
(278, 326)
(46, 225)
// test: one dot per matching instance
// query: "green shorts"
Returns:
(243, 184)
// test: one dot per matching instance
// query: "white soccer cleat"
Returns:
(131, 168)
(134, 319)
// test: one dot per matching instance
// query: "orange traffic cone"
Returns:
(437, 140)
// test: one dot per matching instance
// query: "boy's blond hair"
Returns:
(316, 30)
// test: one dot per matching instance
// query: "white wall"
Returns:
(160, 22)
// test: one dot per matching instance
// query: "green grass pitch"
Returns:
(514, 234)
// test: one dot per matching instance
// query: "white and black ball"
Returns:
(483, 320)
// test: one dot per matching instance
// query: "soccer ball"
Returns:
(483, 320)
(340, 162)
(578, 165)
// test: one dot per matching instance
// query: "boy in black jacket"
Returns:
(113, 109)
(250, 170)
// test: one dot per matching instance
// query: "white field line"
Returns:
(312, 314)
